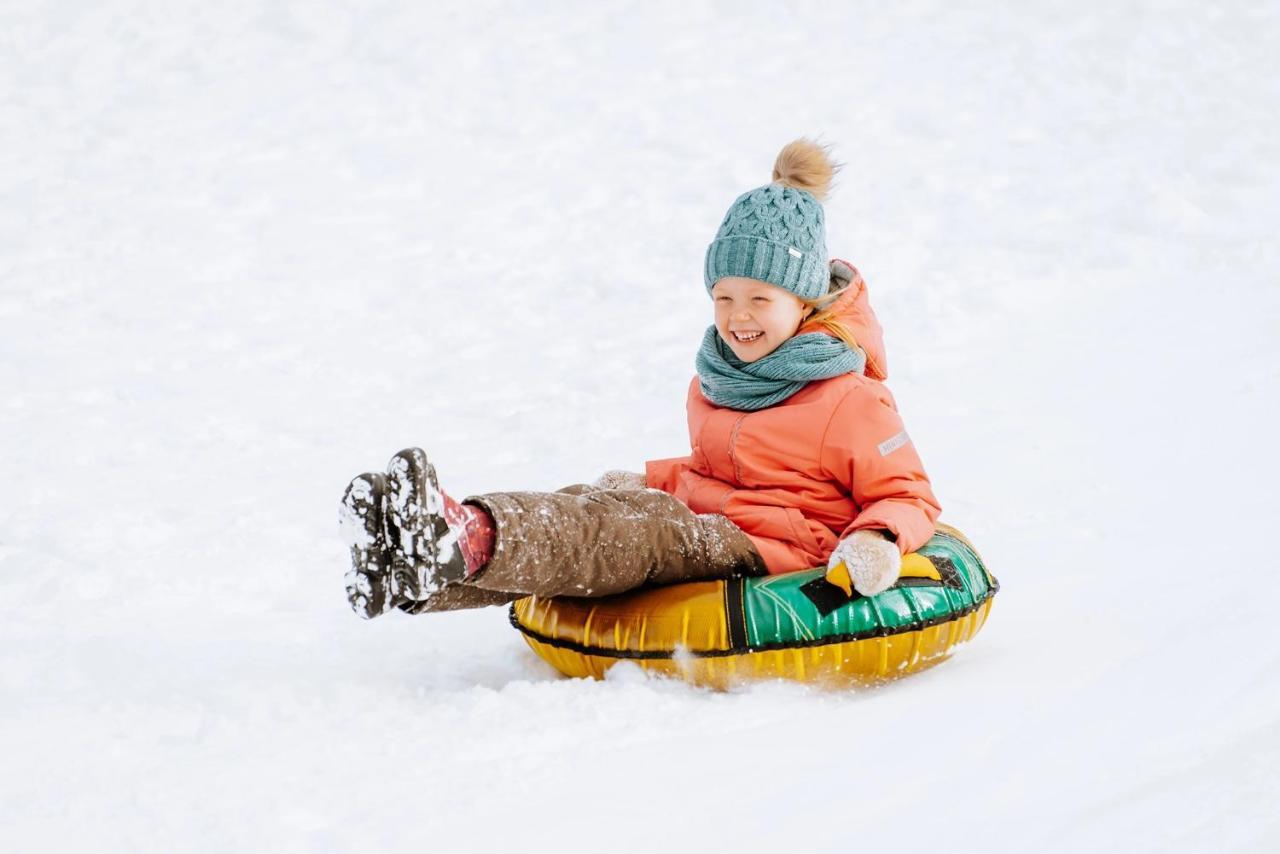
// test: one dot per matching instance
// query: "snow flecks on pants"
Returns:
(580, 541)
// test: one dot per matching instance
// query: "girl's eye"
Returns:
(763, 299)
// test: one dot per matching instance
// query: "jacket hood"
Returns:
(853, 309)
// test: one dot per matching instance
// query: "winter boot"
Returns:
(438, 539)
(369, 588)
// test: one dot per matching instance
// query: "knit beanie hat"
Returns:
(777, 233)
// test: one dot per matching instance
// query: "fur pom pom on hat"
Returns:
(777, 233)
(806, 166)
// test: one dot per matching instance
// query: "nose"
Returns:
(740, 315)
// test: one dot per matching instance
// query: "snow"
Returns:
(247, 253)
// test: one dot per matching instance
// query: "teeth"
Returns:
(750, 337)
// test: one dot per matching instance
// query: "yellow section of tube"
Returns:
(857, 662)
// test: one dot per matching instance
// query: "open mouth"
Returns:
(747, 337)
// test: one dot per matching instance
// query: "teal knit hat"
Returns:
(777, 233)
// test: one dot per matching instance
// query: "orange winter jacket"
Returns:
(803, 474)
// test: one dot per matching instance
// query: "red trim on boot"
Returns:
(478, 531)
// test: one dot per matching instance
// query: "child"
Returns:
(798, 457)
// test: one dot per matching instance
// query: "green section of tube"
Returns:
(778, 613)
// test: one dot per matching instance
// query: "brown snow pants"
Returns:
(585, 541)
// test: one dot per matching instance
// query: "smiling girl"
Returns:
(798, 457)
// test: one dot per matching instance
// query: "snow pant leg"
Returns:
(458, 597)
(584, 541)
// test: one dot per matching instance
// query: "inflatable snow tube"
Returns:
(794, 626)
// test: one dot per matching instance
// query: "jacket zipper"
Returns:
(737, 471)
(733, 441)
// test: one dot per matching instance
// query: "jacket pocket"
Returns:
(803, 534)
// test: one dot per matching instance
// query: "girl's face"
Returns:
(755, 317)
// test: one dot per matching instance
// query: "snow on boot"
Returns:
(361, 519)
(432, 529)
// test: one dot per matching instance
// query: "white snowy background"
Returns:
(249, 250)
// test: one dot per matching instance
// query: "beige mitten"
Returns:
(872, 562)
(619, 479)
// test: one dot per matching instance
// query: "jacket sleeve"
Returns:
(664, 474)
(867, 450)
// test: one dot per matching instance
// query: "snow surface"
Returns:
(249, 250)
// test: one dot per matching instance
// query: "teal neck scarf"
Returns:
(728, 381)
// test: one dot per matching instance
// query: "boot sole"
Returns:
(360, 518)
(416, 509)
